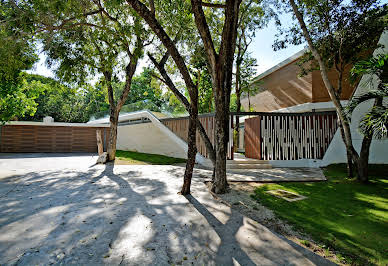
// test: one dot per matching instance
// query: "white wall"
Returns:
(153, 137)
(336, 152)
(147, 138)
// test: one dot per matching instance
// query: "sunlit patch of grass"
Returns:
(131, 157)
(345, 215)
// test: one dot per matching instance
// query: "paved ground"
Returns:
(277, 175)
(63, 210)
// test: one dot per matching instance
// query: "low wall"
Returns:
(148, 138)
(51, 137)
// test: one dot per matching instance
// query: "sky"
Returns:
(260, 48)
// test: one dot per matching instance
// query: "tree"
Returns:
(202, 78)
(375, 122)
(62, 102)
(194, 122)
(16, 54)
(88, 38)
(247, 71)
(221, 64)
(338, 34)
(252, 17)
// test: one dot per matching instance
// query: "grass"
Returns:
(131, 157)
(342, 214)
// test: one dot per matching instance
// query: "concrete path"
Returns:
(65, 213)
(277, 175)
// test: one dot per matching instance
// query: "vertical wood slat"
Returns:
(289, 137)
(179, 126)
(34, 138)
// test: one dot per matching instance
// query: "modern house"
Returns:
(282, 89)
(296, 128)
(295, 125)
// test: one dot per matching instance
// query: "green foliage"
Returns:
(375, 121)
(16, 54)
(203, 79)
(173, 105)
(63, 103)
(131, 157)
(340, 213)
(144, 88)
(343, 32)
(247, 72)
(233, 103)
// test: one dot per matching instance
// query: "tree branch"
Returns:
(213, 5)
(169, 83)
(154, 24)
(204, 31)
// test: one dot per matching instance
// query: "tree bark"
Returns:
(362, 163)
(192, 148)
(348, 154)
(220, 183)
(112, 136)
(114, 109)
(100, 146)
(238, 104)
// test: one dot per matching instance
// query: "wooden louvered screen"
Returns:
(180, 126)
(289, 136)
(36, 138)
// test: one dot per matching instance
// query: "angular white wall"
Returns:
(147, 138)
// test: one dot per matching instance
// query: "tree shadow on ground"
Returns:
(107, 215)
(95, 217)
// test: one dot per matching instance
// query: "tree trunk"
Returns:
(249, 102)
(347, 136)
(191, 153)
(112, 136)
(100, 146)
(348, 153)
(238, 105)
(362, 163)
(220, 184)
(191, 142)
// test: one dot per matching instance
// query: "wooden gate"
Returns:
(289, 136)
(252, 138)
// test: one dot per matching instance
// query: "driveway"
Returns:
(64, 210)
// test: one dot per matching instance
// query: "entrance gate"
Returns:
(288, 136)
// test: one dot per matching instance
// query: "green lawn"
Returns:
(342, 214)
(131, 157)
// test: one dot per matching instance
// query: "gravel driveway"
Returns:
(63, 210)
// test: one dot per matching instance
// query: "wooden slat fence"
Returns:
(37, 138)
(289, 136)
(180, 126)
